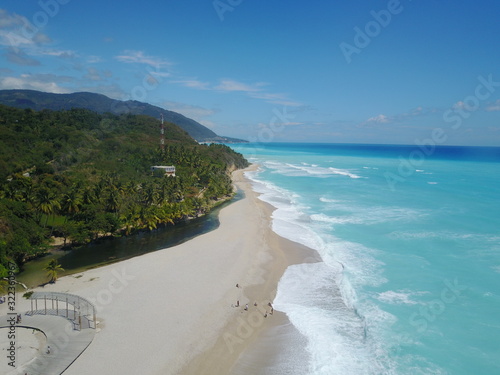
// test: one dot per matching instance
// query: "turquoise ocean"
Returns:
(409, 237)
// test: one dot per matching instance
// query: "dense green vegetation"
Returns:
(99, 103)
(79, 175)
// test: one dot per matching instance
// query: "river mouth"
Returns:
(115, 249)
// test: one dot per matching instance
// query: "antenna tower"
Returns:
(162, 133)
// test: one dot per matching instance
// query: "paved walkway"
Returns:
(66, 344)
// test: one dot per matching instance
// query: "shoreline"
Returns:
(244, 331)
(172, 311)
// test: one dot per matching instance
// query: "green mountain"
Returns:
(38, 100)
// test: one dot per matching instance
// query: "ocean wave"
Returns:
(310, 296)
(306, 169)
(289, 219)
(333, 220)
(369, 216)
(439, 234)
(361, 266)
(329, 200)
(343, 172)
(401, 297)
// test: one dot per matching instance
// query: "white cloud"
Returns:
(232, 85)
(280, 99)
(17, 31)
(194, 84)
(93, 75)
(93, 59)
(40, 82)
(291, 123)
(253, 90)
(256, 91)
(459, 105)
(138, 57)
(400, 117)
(17, 56)
(380, 119)
(495, 106)
(65, 54)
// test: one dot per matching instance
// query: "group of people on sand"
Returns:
(255, 304)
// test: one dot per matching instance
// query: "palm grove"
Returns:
(79, 175)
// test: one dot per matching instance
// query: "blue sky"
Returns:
(343, 71)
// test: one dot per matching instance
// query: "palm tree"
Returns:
(129, 220)
(47, 203)
(150, 194)
(113, 199)
(71, 202)
(88, 196)
(149, 217)
(53, 268)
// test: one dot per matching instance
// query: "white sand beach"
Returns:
(172, 311)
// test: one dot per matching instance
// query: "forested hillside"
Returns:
(37, 100)
(79, 175)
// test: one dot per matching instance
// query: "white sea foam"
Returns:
(449, 235)
(343, 172)
(333, 220)
(400, 297)
(305, 169)
(369, 216)
(329, 200)
(289, 220)
(337, 335)
(361, 267)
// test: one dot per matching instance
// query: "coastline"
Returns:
(172, 311)
(237, 341)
